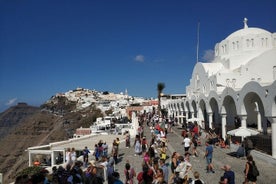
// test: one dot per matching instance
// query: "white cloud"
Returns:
(139, 58)
(208, 55)
(11, 101)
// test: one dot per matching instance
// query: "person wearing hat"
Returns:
(228, 176)
(117, 180)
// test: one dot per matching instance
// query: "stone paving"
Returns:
(267, 168)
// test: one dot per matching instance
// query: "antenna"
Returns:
(197, 45)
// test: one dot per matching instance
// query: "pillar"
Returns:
(223, 126)
(30, 159)
(273, 136)
(53, 159)
(192, 115)
(259, 122)
(243, 121)
(210, 115)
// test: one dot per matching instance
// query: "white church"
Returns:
(239, 83)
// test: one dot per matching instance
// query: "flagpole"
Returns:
(197, 45)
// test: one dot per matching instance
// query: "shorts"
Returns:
(186, 148)
(208, 160)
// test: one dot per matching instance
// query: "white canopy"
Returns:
(242, 132)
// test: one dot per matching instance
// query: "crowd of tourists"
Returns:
(157, 166)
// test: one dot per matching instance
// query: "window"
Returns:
(234, 45)
(247, 42)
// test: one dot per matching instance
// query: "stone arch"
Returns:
(187, 104)
(253, 106)
(202, 114)
(248, 88)
(231, 111)
(194, 106)
(216, 117)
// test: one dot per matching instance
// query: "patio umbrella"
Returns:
(242, 132)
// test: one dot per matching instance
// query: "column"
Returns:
(223, 126)
(273, 136)
(192, 115)
(243, 121)
(210, 115)
(53, 159)
(259, 121)
(30, 158)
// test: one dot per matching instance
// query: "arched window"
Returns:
(247, 42)
(262, 42)
(252, 42)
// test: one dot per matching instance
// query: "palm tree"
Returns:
(160, 87)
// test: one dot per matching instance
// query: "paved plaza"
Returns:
(267, 166)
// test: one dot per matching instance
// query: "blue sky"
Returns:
(53, 46)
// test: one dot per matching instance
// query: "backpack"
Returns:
(255, 171)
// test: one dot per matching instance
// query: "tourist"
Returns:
(146, 175)
(228, 176)
(248, 145)
(188, 171)
(96, 152)
(127, 138)
(76, 173)
(187, 143)
(159, 177)
(114, 152)
(194, 141)
(117, 180)
(165, 169)
(144, 144)
(110, 170)
(105, 149)
(197, 180)
(147, 157)
(73, 155)
(137, 146)
(163, 151)
(174, 163)
(209, 156)
(180, 171)
(68, 156)
(91, 175)
(129, 174)
(249, 176)
(85, 153)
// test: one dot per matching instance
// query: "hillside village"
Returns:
(56, 120)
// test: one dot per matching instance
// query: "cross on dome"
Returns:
(245, 23)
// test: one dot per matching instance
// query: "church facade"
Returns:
(240, 83)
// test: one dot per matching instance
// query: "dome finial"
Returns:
(245, 23)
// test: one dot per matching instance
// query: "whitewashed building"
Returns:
(239, 82)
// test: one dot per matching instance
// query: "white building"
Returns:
(239, 82)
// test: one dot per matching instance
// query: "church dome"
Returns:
(247, 31)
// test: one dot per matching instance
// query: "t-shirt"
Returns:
(230, 175)
(209, 149)
(187, 142)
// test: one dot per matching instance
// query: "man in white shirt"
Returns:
(187, 143)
